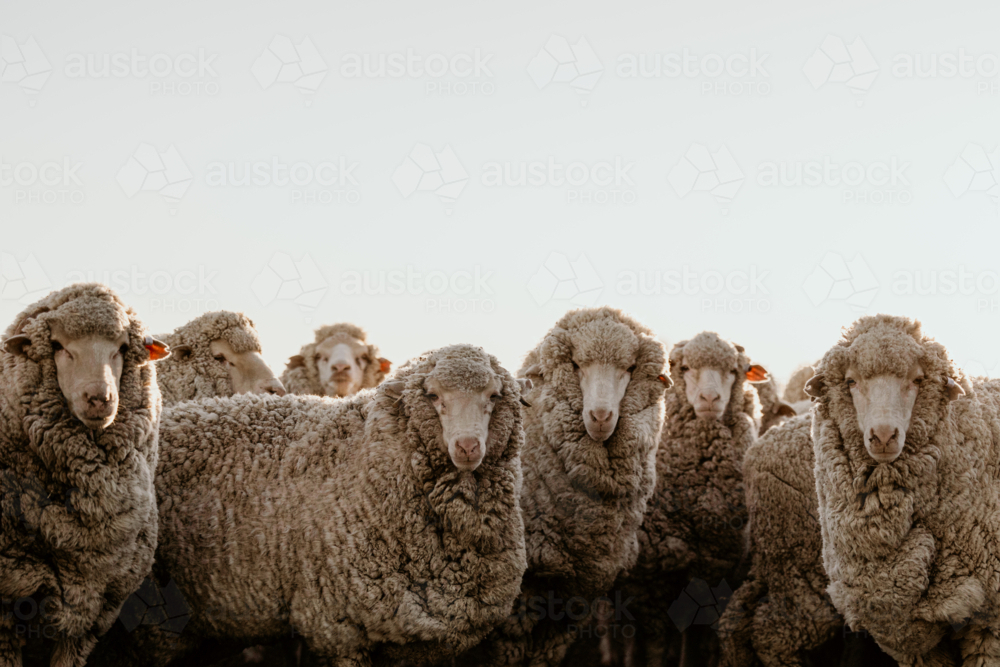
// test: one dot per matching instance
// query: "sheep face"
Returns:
(709, 367)
(708, 390)
(89, 370)
(465, 417)
(603, 386)
(341, 363)
(884, 405)
(248, 372)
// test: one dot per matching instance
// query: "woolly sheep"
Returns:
(339, 362)
(216, 354)
(78, 447)
(384, 526)
(773, 410)
(906, 479)
(694, 525)
(595, 412)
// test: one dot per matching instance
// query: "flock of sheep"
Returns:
(608, 504)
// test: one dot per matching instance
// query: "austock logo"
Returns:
(285, 279)
(148, 170)
(836, 62)
(425, 170)
(701, 170)
(286, 62)
(561, 62)
(700, 604)
(23, 64)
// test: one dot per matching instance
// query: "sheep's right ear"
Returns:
(384, 365)
(16, 344)
(783, 409)
(181, 352)
(295, 361)
(394, 388)
(525, 384)
(533, 371)
(954, 389)
(815, 386)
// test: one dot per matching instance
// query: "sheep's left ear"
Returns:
(158, 350)
(394, 388)
(525, 385)
(954, 389)
(384, 365)
(756, 373)
(295, 361)
(783, 409)
(815, 386)
(16, 344)
(665, 379)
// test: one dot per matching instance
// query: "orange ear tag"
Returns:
(157, 349)
(756, 373)
(384, 365)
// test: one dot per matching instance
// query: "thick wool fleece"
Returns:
(795, 390)
(582, 500)
(343, 520)
(202, 376)
(695, 521)
(301, 376)
(78, 517)
(770, 406)
(782, 611)
(912, 547)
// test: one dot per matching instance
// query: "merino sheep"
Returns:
(216, 354)
(384, 526)
(906, 476)
(694, 526)
(337, 363)
(78, 447)
(595, 412)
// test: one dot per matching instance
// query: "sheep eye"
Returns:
(851, 382)
(631, 369)
(495, 397)
(56, 346)
(918, 380)
(432, 397)
(576, 366)
(684, 369)
(221, 358)
(123, 349)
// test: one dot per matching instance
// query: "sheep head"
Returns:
(339, 362)
(709, 367)
(879, 372)
(89, 340)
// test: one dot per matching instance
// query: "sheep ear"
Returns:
(783, 409)
(665, 379)
(534, 370)
(815, 386)
(16, 344)
(525, 385)
(756, 373)
(295, 361)
(158, 350)
(181, 352)
(393, 388)
(954, 389)
(384, 365)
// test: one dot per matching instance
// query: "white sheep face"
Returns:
(603, 386)
(89, 371)
(341, 365)
(884, 405)
(248, 372)
(465, 419)
(708, 390)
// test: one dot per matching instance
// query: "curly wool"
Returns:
(694, 525)
(582, 500)
(301, 376)
(795, 390)
(202, 376)
(344, 520)
(782, 611)
(911, 546)
(77, 506)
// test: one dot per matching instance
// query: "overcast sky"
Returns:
(466, 172)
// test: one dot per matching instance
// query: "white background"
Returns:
(919, 225)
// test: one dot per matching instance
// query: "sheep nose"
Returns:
(97, 396)
(709, 397)
(883, 434)
(339, 368)
(271, 386)
(468, 447)
(600, 416)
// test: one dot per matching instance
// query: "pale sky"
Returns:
(657, 140)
